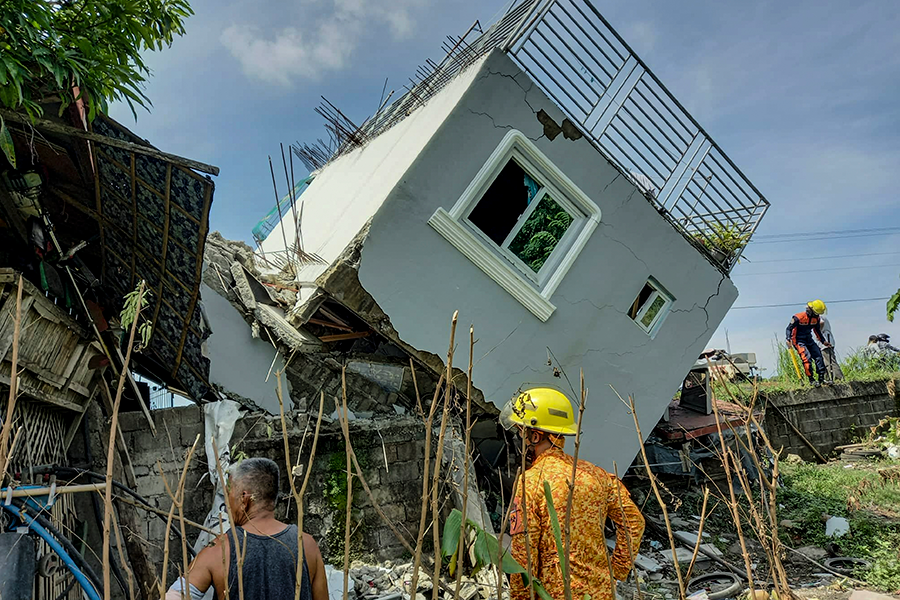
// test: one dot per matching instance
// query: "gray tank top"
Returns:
(270, 566)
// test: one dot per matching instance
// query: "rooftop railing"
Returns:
(576, 57)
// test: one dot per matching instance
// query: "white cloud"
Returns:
(324, 43)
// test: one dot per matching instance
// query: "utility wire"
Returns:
(817, 233)
(794, 259)
(800, 271)
(824, 236)
(803, 303)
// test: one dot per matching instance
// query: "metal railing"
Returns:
(575, 56)
(578, 59)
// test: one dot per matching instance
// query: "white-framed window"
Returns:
(650, 307)
(522, 221)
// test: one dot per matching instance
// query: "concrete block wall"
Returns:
(391, 454)
(829, 416)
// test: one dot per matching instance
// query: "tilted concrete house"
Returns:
(546, 185)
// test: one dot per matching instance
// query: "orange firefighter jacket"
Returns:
(598, 495)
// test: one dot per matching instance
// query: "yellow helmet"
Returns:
(540, 408)
(818, 307)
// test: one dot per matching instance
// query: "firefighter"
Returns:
(542, 417)
(800, 337)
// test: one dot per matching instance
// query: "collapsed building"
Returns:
(539, 179)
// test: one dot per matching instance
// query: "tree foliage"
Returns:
(61, 50)
(893, 305)
(541, 233)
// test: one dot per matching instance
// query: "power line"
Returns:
(799, 271)
(794, 259)
(824, 236)
(817, 233)
(804, 303)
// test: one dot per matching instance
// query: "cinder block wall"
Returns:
(390, 451)
(829, 416)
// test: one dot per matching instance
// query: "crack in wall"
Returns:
(506, 127)
(705, 309)
(621, 243)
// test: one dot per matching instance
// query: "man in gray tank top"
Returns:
(268, 547)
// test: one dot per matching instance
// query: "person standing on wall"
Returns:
(832, 366)
(799, 334)
(543, 416)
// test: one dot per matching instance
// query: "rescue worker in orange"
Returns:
(543, 416)
(800, 333)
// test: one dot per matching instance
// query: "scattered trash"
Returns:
(400, 410)
(716, 585)
(893, 451)
(656, 545)
(690, 538)
(847, 565)
(837, 527)
(684, 555)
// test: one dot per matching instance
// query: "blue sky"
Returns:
(801, 95)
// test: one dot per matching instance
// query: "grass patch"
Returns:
(858, 494)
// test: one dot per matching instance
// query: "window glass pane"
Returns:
(651, 313)
(541, 233)
(639, 302)
(503, 203)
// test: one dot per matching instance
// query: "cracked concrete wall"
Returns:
(419, 279)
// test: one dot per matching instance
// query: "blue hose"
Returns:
(56, 547)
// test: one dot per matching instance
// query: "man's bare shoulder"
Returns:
(213, 553)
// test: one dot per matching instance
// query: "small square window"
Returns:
(650, 307)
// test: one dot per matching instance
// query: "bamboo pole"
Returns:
(631, 555)
(13, 385)
(529, 566)
(177, 499)
(735, 515)
(52, 127)
(465, 501)
(298, 495)
(423, 516)
(349, 488)
(64, 489)
(571, 499)
(699, 534)
(237, 550)
(655, 486)
(439, 454)
(110, 453)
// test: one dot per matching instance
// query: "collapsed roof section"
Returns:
(98, 202)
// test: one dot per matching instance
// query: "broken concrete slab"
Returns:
(689, 538)
(296, 339)
(683, 554)
(242, 286)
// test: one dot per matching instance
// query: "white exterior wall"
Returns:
(347, 192)
(418, 278)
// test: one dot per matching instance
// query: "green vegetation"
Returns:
(893, 305)
(869, 502)
(486, 551)
(49, 47)
(541, 233)
(728, 239)
(335, 492)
